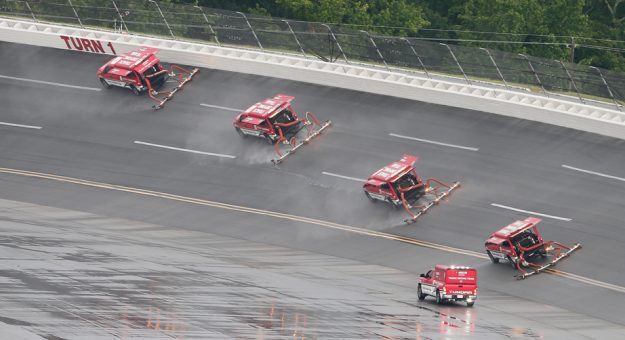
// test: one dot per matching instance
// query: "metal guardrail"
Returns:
(332, 43)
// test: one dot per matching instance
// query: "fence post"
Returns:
(30, 10)
(121, 18)
(336, 42)
(75, 13)
(209, 25)
(295, 37)
(496, 67)
(376, 48)
(252, 29)
(457, 63)
(535, 74)
(418, 57)
(162, 16)
(572, 50)
(607, 86)
(572, 82)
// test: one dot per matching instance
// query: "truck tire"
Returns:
(369, 197)
(492, 258)
(240, 132)
(134, 90)
(512, 263)
(268, 139)
(393, 205)
(470, 304)
(420, 294)
(105, 84)
(439, 300)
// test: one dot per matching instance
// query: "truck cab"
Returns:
(134, 70)
(268, 119)
(388, 183)
(519, 236)
(449, 283)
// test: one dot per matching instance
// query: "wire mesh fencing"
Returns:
(331, 43)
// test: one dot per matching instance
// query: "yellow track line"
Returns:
(328, 224)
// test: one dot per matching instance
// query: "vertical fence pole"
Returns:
(75, 13)
(336, 42)
(251, 29)
(295, 37)
(457, 63)
(162, 16)
(418, 57)
(535, 74)
(376, 48)
(572, 51)
(496, 67)
(121, 18)
(30, 10)
(572, 82)
(209, 25)
(607, 86)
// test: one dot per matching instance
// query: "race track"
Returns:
(84, 132)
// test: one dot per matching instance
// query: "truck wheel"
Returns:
(512, 263)
(439, 300)
(240, 132)
(268, 139)
(420, 294)
(104, 83)
(393, 205)
(369, 197)
(470, 304)
(492, 258)
(134, 90)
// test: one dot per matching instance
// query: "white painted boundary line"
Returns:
(344, 177)
(531, 212)
(185, 150)
(593, 173)
(51, 83)
(222, 107)
(22, 126)
(434, 142)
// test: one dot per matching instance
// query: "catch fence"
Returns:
(332, 43)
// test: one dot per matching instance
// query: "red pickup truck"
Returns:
(449, 283)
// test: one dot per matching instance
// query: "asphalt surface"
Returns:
(90, 134)
(98, 277)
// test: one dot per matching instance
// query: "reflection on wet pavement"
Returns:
(72, 275)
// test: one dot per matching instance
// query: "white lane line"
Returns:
(531, 212)
(434, 142)
(185, 150)
(222, 107)
(51, 83)
(343, 177)
(22, 126)
(593, 173)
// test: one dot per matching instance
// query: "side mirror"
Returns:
(422, 275)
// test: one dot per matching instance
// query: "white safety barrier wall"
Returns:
(509, 103)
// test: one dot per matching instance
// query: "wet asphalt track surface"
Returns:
(89, 135)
